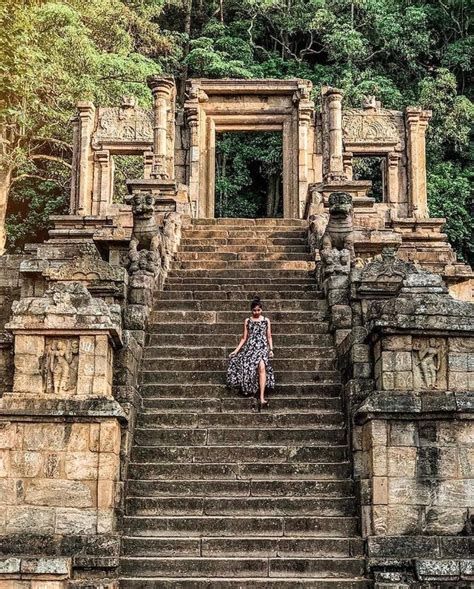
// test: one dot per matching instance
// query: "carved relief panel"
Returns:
(59, 366)
(125, 124)
(429, 364)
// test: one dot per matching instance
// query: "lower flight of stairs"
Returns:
(220, 496)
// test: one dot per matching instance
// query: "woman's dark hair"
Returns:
(256, 303)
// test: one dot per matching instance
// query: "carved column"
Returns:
(163, 90)
(416, 124)
(194, 118)
(147, 164)
(334, 106)
(102, 191)
(81, 187)
(393, 183)
(347, 157)
(305, 115)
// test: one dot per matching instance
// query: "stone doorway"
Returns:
(219, 106)
(248, 173)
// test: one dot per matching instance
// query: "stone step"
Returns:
(263, 248)
(244, 221)
(244, 232)
(220, 364)
(203, 420)
(202, 352)
(214, 404)
(177, 376)
(235, 488)
(239, 582)
(248, 285)
(211, 317)
(240, 306)
(233, 256)
(223, 526)
(235, 328)
(260, 240)
(244, 547)
(314, 436)
(195, 294)
(243, 265)
(256, 471)
(230, 340)
(237, 454)
(256, 275)
(243, 567)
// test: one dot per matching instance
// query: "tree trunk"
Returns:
(188, 7)
(5, 181)
(270, 196)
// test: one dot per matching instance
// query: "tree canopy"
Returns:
(405, 52)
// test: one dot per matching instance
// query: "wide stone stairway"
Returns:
(219, 495)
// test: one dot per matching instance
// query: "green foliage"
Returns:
(246, 165)
(451, 196)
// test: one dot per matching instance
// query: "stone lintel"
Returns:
(257, 86)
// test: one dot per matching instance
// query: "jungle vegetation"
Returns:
(55, 52)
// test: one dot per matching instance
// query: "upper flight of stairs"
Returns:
(220, 496)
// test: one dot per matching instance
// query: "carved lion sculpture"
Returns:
(339, 232)
(317, 220)
(146, 235)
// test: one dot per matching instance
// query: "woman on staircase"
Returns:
(249, 365)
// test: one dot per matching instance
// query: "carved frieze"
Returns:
(125, 124)
(360, 127)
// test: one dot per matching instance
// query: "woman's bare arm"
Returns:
(269, 337)
(243, 339)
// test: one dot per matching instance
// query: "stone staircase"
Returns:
(220, 496)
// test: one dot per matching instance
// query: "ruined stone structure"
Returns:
(124, 461)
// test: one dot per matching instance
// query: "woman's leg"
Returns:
(262, 380)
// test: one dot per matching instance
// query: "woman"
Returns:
(249, 365)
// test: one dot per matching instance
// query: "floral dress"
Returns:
(242, 371)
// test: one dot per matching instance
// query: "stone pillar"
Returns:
(163, 90)
(305, 115)
(416, 124)
(147, 164)
(81, 189)
(347, 157)
(334, 106)
(102, 191)
(393, 182)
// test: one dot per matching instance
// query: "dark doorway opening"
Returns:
(373, 169)
(249, 168)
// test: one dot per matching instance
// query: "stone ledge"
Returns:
(87, 547)
(46, 567)
(421, 546)
(416, 405)
(21, 406)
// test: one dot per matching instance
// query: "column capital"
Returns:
(161, 84)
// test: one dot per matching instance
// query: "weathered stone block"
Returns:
(458, 362)
(401, 461)
(379, 461)
(396, 361)
(81, 465)
(403, 519)
(31, 520)
(26, 464)
(406, 491)
(341, 317)
(397, 342)
(437, 570)
(380, 490)
(444, 520)
(403, 434)
(58, 493)
(75, 521)
(47, 436)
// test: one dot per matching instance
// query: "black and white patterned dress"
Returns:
(242, 371)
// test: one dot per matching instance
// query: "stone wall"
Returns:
(406, 355)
